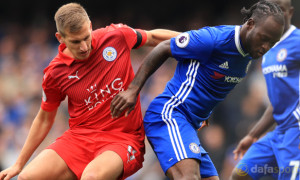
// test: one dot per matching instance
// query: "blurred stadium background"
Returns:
(27, 45)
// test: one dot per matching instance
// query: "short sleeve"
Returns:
(196, 44)
(135, 38)
(52, 96)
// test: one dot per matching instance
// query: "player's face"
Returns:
(80, 43)
(262, 36)
(287, 9)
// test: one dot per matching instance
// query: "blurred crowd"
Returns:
(27, 48)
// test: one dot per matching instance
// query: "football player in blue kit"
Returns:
(277, 154)
(211, 61)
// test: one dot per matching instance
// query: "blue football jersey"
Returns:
(211, 61)
(281, 68)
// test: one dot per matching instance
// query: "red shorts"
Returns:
(78, 148)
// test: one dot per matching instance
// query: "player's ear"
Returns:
(291, 11)
(250, 23)
(59, 37)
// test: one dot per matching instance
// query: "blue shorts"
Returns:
(277, 154)
(174, 140)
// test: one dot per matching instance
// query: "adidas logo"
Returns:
(224, 65)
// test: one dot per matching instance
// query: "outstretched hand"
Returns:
(125, 100)
(10, 172)
(243, 146)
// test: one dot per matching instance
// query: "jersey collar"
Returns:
(69, 60)
(286, 34)
(238, 41)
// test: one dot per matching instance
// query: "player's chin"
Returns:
(82, 57)
(257, 55)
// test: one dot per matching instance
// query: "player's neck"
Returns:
(287, 28)
(243, 38)
(67, 52)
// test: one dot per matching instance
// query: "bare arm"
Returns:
(40, 127)
(154, 37)
(265, 122)
(151, 63)
(127, 99)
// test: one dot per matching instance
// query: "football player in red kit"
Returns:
(90, 69)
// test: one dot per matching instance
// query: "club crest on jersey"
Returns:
(109, 53)
(194, 148)
(281, 55)
(182, 40)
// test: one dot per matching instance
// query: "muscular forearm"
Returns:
(37, 133)
(150, 64)
(263, 124)
(154, 37)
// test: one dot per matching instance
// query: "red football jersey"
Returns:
(91, 84)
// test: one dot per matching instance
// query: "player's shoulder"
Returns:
(112, 28)
(291, 38)
(55, 63)
(222, 32)
(220, 29)
(296, 34)
(118, 26)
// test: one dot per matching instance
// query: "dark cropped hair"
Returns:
(262, 10)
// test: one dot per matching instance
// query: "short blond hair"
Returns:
(70, 17)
